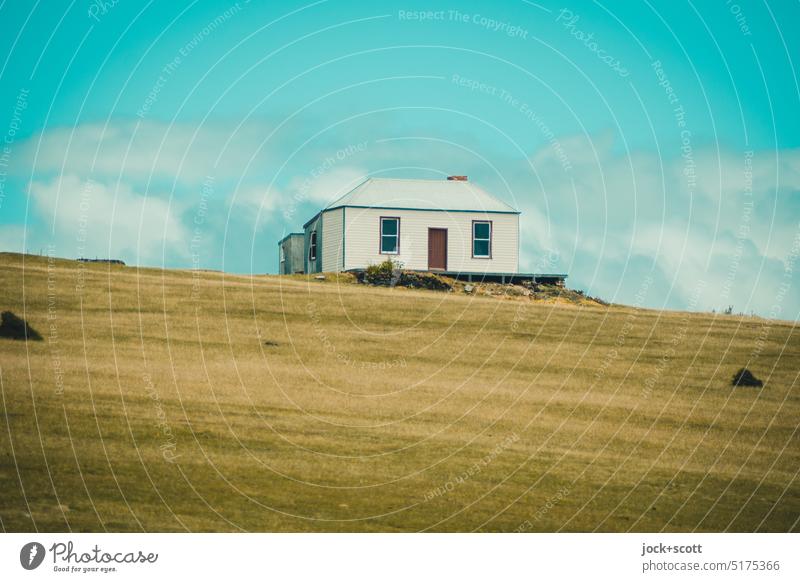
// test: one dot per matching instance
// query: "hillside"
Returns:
(173, 400)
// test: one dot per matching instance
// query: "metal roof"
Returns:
(291, 234)
(404, 194)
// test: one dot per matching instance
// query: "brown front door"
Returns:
(437, 249)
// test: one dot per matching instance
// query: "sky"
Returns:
(653, 148)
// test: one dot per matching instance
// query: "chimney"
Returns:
(457, 178)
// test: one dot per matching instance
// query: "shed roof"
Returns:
(291, 234)
(396, 193)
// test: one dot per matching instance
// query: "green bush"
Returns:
(390, 273)
(385, 273)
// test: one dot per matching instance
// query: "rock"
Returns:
(421, 281)
(319, 277)
(468, 288)
(514, 290)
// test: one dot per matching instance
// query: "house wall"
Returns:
(332, 248)
(315, 224)
(362, 239)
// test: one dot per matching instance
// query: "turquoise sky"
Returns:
(652, 147)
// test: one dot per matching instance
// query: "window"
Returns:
(312, 246)
(481, 239)
(390, 236)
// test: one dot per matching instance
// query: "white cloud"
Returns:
(12, 239)
(326, 185)
(258, 198)
(139, 169)
(140, 150)
(85, 218)
(607, 211)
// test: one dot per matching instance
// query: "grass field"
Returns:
(173, 400)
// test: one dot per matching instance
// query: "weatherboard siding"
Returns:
(332, 242)
(362, 238)
(316, 265)
(293, 249)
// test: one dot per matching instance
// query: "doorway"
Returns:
(437, 249)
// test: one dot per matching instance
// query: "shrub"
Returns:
(744, 377)
(385, 273)
(14, 327)
(390, 273)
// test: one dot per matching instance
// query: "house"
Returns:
(449, 226)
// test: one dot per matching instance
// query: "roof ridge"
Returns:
(346, 194)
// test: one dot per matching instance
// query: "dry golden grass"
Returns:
(154, 403)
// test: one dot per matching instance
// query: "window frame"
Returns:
(312, 245)
(381, 235)
(489, 240)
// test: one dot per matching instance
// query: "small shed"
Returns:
(290, 254)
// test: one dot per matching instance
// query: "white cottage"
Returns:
(450, 226)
